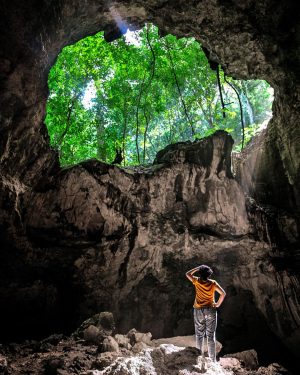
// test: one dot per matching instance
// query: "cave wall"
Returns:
(93, 236)
(99, 237)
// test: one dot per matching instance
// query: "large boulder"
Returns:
(248, 358)
(109, 344)
(96, 328)
(137, 337)
(93, 335)
(123, 341)
(185, 341)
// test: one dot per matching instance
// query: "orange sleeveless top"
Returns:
(205, 292)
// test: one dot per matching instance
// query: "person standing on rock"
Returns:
(205, 308)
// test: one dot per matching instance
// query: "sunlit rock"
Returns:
(248, 358)
(109, 345)
(135, 337)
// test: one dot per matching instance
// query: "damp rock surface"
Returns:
(81, 357)
(98, 237)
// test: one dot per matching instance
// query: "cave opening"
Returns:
(125, 100)
(76, 241)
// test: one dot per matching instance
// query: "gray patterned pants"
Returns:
(205, 320)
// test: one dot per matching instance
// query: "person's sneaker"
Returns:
(213, 365)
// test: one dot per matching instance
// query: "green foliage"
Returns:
(147, 94)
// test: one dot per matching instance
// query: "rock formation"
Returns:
(70, 356)
(94, 237)
(123, 238)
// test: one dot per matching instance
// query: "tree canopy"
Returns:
(142, 93)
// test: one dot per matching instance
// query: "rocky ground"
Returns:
(95, 349)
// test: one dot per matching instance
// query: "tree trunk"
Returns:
(101, 154)
(145, 134)
(125, 116)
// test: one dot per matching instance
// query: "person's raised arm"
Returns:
(189, 274)
(222, 293)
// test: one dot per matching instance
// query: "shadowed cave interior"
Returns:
(95, 237)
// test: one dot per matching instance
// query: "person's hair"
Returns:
(205, 272)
